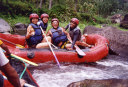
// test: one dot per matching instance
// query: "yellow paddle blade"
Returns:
(20, 46)
(27, 61)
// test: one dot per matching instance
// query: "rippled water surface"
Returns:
(49, 75)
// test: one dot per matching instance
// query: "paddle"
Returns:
(54, 46)
(78, 50)
(18, 45)
(27, 61)
(50, 46)
(26, 84)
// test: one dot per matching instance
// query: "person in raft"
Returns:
(75, 34)
(34, 36)
(7, 69)
(59, 35)
(44, 21)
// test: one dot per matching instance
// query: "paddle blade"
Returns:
(19, 46)
(79, 51)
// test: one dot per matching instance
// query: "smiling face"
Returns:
(34, 20)
(45, 20)
(55, 24)
(72, 24)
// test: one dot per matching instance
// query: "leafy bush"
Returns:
(57, 11)
(106, 7)
(21, 8)
(92, 19)
(16, 8)
(39, 11)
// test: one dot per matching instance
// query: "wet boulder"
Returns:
(116, 18)
(91, 30)
(124, 22)
(118, 39)
(4, 26)
(20, 29)
(100, 83)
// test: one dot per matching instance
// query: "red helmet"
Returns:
(44, 16)
(33, 15)
(75, 20)
(55, 19)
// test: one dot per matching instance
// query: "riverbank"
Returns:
(25, 20)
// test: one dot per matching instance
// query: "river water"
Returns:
(49, 75)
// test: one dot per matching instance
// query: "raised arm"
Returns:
(30, 32)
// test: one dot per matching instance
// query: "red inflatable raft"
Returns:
(99, 51)
(30, 81)
(27, 76)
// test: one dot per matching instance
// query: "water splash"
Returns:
(49, 75)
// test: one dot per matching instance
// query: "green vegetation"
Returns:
(89, 12)
(17, 19)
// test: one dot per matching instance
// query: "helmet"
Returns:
(33, 15)
(55, 19)
(44, 16)
(75, 20)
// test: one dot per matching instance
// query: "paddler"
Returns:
(34, 36)
(59, 35)
(44, 21)
(75, 34)
(7, 69)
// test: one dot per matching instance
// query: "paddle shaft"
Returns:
(17, 57)
(26, 84)
(27, 61)
(12, 43)
(54, 46)
(7, 41)
(50, 48)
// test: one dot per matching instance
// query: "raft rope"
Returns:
(21, 75)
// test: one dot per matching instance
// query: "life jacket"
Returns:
(58, 36)
(72, 31)
(37, 37)
(44, 26)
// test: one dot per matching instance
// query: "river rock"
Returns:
(91, 30)
(124, 22)
(116, 18)
(20, 29)
(4, 26)
(100, 83)
(118, 39)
